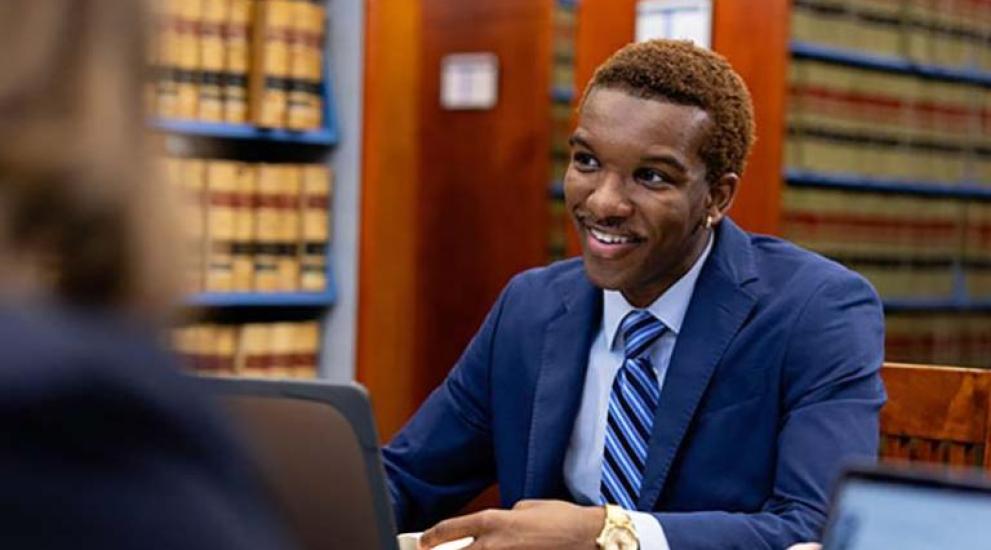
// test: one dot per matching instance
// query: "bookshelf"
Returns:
(244, 88)
(563, 96)
(917, 222)
(925, 219)
(888, 162)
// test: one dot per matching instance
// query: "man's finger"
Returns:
(472, 525)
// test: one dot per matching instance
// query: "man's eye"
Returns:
(649, 176)
(584, 161)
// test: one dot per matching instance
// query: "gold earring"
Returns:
(708, 222)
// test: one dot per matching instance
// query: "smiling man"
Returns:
(685, 384)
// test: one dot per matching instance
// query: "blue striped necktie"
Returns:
(631, 412)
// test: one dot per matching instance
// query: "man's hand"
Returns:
(543, 524)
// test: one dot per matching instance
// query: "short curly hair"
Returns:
(682, 73)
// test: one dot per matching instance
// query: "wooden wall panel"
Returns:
(483, 209)
(454, 202)
(755, 41)
(387, 299)
(604, 26)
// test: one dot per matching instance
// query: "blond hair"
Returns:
(76, 191)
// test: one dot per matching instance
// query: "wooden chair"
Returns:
(936, 414)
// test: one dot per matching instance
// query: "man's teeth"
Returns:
(609, 238)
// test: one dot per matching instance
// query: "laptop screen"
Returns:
(881, 512)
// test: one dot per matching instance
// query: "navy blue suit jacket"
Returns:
(774, 383)
(104, 445)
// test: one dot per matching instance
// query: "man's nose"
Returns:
(609, 198)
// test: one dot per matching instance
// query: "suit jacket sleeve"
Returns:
(443, 457)
(832, 392)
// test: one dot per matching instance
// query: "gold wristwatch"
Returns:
(618, 532)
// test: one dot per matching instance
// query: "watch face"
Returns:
(619, 539)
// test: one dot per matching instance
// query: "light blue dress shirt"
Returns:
(583, 459)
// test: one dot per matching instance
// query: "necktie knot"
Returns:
(640, 329)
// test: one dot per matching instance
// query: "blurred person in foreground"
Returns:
(104, 444)
(685, 384)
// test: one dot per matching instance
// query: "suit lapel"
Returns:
(717, 310)
(558, 393)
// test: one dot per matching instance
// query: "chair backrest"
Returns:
(318, 452)
(936, 414)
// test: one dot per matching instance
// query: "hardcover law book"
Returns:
(826, 24)
(977, 250)
(281, 349)
(212, 59)
(181, 346)
(220, 226)
(243, 263)
(152, 53)
(316, 37)
(315, 199)
(225, 349)
(204, 344)
(281, 340)
(192, 180)
(168, 23)
(202, 341)
(237, 48)
(254, 356)
(188, 58)
(267, 227)
(288, 227)
(269, 78)
(305, 103)
(306, 350)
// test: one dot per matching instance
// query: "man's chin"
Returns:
(603, 277)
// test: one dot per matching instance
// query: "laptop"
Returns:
(877, 508)
(318, 452)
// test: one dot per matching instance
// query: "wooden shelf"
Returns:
(853, 58)
(261, 299)
(323, 136)
(853, 182)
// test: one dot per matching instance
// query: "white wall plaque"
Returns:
(469, 81)
(679, 19)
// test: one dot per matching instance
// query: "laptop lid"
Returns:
(318, 451)
(882, 508)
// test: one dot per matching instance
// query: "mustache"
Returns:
(613, 224)
(587, 218)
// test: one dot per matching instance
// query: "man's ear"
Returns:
(721, 195)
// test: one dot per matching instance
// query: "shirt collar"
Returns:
(669, 307)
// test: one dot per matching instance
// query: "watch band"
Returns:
(618, 531)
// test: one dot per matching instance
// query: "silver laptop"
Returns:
(882, 508)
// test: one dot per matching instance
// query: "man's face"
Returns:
(637, 191)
